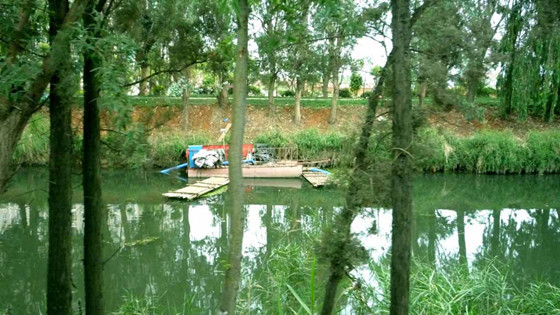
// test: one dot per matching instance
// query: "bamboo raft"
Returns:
(198, 189)
(316, 179)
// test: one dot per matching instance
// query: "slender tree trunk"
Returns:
(59, 288)
(236, 193)
(325, 85)
(461, 237)
(335, 64)
(432, 238)
(341, 237)
(93, 204)
(495, 238)
(334, 99)
(271, 85)
(144, 72)
(473, 80)
(223, 94)
(508, 84)
(297, 112)
(422, 89)
(186, 98)
(401, 178)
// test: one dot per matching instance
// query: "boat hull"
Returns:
(251, 171)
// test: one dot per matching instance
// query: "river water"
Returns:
(174, 252)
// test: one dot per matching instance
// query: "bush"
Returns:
(203, 90)
(367, 94)
(345, 93)
(288, 93)
(253, 91)
(486, 91)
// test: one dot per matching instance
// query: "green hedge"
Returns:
(498, 152)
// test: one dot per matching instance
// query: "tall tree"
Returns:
(297, 18)
(269, 42)
(478, 16)
(59, 279)
(341, 241)
(25, 73)
(236, 193)
(91, 179)
(401, 178)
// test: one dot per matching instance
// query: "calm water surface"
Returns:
(174, 252)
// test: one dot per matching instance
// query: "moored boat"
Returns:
(280, 169)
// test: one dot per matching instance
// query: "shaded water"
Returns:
(173, 253)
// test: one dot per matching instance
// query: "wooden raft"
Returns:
(317, 179)
(199, 188)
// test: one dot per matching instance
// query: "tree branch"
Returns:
(171, 70)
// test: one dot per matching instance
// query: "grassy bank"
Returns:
(153, 101)
(294, 288)
(489, 152)
(499, 152)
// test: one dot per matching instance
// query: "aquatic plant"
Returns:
(452, 290)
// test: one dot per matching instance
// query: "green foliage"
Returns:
(486, 290)
(486, 91)
(311, 143)
(253, 91)
(166, 148)
(33, 147)
(498, 152)
(356, 83)
(344, 93)
(366, 94)
(288, 93)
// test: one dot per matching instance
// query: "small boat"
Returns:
(279, 169)
(255, 169)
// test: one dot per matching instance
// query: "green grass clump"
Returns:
(166, 148)
(544, 152)
(33, 147)
(494, 152)
(311, 143)
(452, 290)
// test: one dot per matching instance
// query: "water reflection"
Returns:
(173, 253)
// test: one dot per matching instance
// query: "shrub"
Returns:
(253, 91)
(345, 93)
(288, 93)
(367, 94)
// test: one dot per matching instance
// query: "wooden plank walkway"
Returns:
(198, 189)
(317, 179)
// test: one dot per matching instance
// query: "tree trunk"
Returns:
(143, 89)
(422, 89)
(236, 193)
(59, 279)
(335, 64)
(462, 243)
(11, 128)
(334, 100)
(495, 238)
(271, 85)
(297, 112)
(91, 180)
(223, 93)
(508, 84)
(337, 262)
(325, 85)
(401, 175)
(186, 98)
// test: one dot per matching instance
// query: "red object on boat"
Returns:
(245, 149)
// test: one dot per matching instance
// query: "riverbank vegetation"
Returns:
(493, 152)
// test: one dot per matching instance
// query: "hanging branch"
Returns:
(171, 70)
